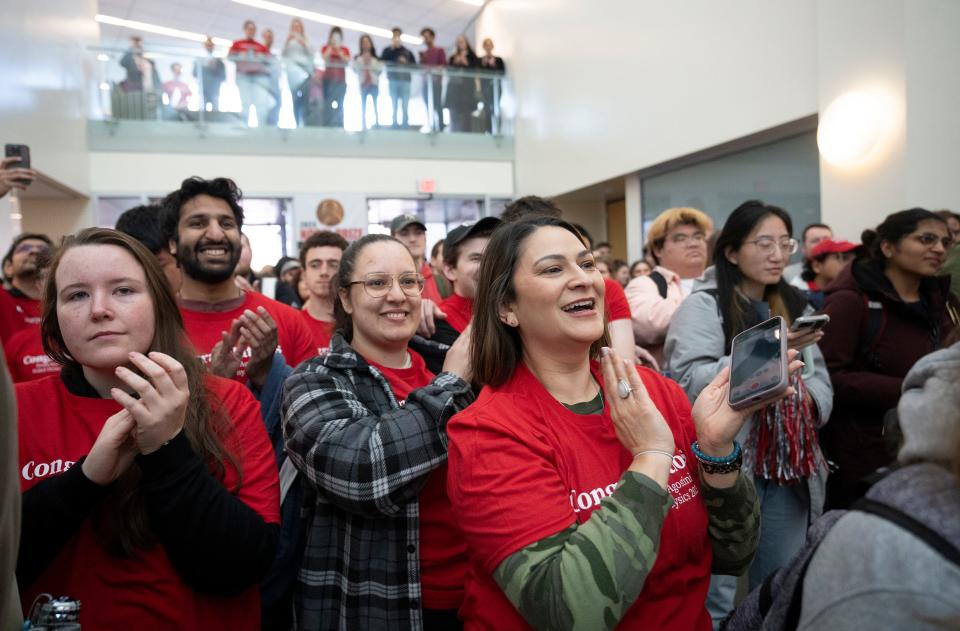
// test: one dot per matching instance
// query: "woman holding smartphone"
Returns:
(780, 442)
(575, 476)
(150, 491)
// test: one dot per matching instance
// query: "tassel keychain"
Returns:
(783, 443)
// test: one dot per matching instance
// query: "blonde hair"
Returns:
(673, 217)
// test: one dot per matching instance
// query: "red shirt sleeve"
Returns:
(615, 301)
(249, 444)
(508, 484)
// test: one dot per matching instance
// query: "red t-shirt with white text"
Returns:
(527, 468)
(294, 339)
(615, 301)
(459, 311)
(26, 358)
(321, 330)
(142, 592)
(17, 313)
(443, 553)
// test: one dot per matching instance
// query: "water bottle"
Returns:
(56, 614)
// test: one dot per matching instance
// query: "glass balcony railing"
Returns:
(259, 91)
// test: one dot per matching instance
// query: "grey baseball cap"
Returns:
(402, 221)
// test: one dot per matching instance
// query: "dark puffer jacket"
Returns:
(867, 373)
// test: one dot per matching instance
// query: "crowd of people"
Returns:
(511, 431)
(467, 85)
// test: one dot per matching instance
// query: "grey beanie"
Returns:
(929, 408)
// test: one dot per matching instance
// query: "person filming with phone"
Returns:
(590, 493)
(780, 442)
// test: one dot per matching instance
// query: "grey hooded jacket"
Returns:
(870, 573)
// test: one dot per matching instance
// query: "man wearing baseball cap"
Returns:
(462, 253)
(825, 262)
(411, 232)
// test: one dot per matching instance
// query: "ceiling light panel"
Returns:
(321, 18)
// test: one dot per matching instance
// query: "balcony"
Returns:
(176, 103)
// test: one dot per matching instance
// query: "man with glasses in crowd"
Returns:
(23, 267)
(678, 238)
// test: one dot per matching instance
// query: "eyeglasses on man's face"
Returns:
(378, 285)
(768, 245)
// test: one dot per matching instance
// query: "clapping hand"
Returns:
(161, 410)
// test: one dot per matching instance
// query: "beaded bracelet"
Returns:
(712, 464)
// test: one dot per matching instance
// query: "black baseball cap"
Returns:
(463, 232)
(402, 221)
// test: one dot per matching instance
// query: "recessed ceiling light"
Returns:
(476, 3)
(160, 30)
(313, 16)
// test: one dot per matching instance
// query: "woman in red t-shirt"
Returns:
(575, 481)
(365, 425)
(150, 491)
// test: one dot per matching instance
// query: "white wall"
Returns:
(44, 100)
(604, 89)
(907, 51)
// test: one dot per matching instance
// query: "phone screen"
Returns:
(757, 365)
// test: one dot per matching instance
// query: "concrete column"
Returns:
(634, 199)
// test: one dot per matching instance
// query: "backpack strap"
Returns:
(920, 530)
(660, 282)
(876, 322)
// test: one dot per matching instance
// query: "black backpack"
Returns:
(776, 603)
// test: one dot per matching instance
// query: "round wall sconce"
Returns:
(853, 126)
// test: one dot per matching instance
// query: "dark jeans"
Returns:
(333, 93)
(400, 95)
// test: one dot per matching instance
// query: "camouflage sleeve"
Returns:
(587, 576)
(733, 525)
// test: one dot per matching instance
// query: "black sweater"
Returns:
(217, 543)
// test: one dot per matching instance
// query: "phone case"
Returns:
(769, 392)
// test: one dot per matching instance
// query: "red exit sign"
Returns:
(427, 185)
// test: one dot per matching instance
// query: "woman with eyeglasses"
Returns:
(365, 426)
(780, 441)
(886, 312)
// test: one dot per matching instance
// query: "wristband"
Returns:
(712, 464)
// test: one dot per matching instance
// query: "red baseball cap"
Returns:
(829, 246)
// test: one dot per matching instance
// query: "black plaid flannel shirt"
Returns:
(364, 459)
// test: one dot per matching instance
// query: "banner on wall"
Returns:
(306, 228)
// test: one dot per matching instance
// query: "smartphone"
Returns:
(23, 152)
(18, 151)
(758, 364)
(810, 323)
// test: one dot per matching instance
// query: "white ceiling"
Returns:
(224, 18)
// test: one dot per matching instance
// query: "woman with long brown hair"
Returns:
(575, 475)
(150, 490)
